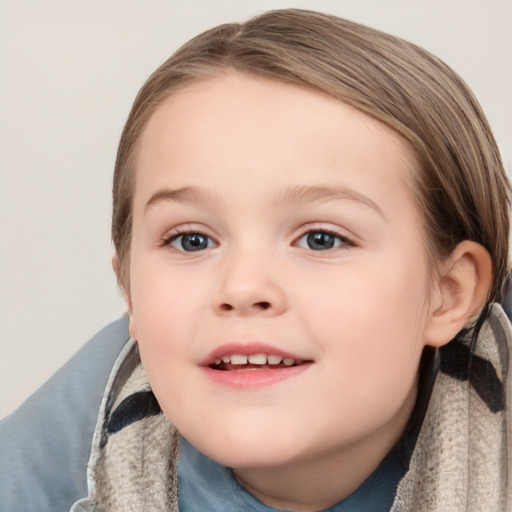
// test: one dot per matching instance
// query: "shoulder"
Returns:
(45, 443)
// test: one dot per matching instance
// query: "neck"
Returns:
(319, 483)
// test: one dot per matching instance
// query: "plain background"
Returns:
(69, 71)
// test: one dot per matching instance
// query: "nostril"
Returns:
(262, 305)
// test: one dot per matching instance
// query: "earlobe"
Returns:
(116, 266)
(462, 288)
(126, 294)
(131, 327)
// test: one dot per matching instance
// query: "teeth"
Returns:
(258, 359)
(238, 359)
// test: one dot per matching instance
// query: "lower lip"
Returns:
(250, 379)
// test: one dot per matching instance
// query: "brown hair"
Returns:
(462, 190)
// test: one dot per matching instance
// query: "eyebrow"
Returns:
(290, 195)
(300, 194)
(180, 195)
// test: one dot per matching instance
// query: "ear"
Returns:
(460, 291)
(116, 266)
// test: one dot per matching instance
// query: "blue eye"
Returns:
(321, 241)
(190, 242)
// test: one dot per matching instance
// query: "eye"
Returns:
(322, 240)
(190, 242)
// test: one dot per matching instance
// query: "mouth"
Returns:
(260, 361)
(252, 365)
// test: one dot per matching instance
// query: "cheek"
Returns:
(159, 317)
(162, 295)
(370, 360)
(162, 316)
(373, 321)
(170, 315)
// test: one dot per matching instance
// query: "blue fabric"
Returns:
(206, 485)
(45, 443)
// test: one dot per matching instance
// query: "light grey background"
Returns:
(69, 72)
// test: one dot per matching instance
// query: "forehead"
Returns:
(242, 125)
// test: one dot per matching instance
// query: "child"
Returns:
(311, 229)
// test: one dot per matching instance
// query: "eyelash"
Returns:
(167, 241)
(344, 241)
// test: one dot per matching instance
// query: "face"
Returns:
(278, 275)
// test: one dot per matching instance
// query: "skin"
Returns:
(263, 159)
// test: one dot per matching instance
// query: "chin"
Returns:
(247, 451)
(251, 458)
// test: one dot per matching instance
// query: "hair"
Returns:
(461, 188)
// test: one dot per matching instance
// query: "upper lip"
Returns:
(247, 348)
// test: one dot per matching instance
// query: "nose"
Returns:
(249, 286)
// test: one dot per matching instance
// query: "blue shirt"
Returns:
(203, 484)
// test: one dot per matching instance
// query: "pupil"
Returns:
(320, 241)
(194, 242)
